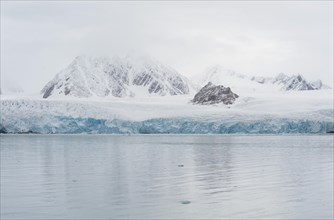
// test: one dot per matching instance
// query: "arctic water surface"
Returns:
(166, 176)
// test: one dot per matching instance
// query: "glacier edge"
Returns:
(49, 124)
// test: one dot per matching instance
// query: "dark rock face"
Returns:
(48, 91)
(212, 94)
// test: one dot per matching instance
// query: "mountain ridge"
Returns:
(218, 73)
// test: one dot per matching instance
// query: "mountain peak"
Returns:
(118, 77)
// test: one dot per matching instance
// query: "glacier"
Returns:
(70, 125)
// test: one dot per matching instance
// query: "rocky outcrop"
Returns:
(212, 94)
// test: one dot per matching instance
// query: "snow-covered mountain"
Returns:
(294, 82)
(220, 75)
(116, 77)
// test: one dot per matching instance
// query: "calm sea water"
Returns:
(153, 176)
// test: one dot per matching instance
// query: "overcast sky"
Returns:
(38, 39)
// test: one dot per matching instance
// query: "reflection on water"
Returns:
(166, 177)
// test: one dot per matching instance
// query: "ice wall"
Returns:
(70, 125)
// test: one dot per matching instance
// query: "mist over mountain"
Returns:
(10, 87)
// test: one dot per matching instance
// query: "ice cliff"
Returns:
(74, 117)
(70, 125)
